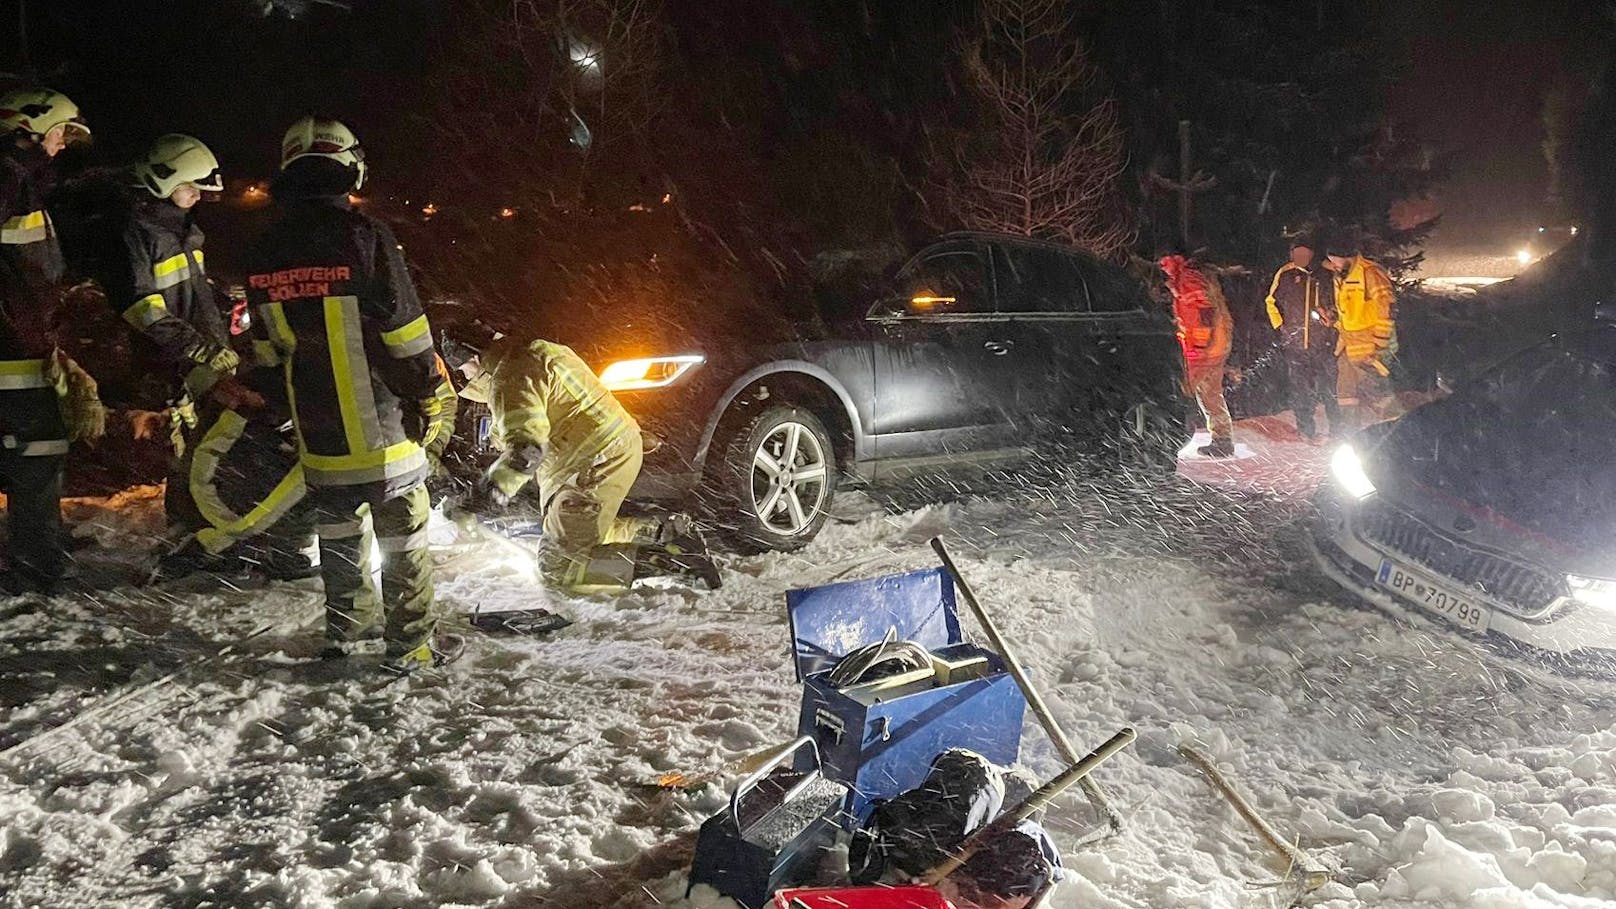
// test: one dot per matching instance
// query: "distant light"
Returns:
(429, 209)
(355, 198)
(925, 300)
(254, 191)
(1523, 256)
(584, 56)
(668, 197)
(1573, 230)
(1541, 229)
(507, 212)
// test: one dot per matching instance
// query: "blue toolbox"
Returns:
(879, 736)
(775, 832)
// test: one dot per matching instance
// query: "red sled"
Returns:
(862, 898)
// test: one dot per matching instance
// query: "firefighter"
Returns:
(45, 400)
(554, 422)
(1206, 331)
(158, 283)
(334, 306)
(1301, 306)
(1365, 298)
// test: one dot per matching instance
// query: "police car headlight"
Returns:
(1347, 468)
(1597, 592)
(651, 372)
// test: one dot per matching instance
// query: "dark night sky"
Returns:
(1479, 74)
(1475, 89)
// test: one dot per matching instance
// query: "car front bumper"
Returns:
(1568, 631)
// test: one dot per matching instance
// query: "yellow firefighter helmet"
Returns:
(37, 111)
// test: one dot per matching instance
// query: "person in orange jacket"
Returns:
(1206, 330)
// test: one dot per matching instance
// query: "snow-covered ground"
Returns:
(177, 745)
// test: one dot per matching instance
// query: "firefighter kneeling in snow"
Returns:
(555, 422)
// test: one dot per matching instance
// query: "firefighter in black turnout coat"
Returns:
(37, 124)
(334, 306)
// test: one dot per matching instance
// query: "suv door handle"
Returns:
(998, 348)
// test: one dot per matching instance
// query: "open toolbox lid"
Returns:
(829, 622)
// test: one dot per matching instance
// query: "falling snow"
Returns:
(180, 746)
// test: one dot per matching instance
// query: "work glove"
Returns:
(215, 356)
(82, 411)
(512, 471)
(418, 420)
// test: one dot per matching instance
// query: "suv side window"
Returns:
(1035, 280)
(947, 282)
(1113, 289)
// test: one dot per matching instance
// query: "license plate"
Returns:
(1454, 607)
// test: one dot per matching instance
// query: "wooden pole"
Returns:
(1184, 179)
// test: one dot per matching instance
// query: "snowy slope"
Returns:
(1432, 772)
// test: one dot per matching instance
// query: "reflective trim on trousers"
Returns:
(18, 375)
(350, 371)
(32, 227)
(409, 339)
(341, 530)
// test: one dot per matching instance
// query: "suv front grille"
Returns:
(1529, 590)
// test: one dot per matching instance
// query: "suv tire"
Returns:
(759, 500)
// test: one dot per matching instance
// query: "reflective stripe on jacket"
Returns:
(1364, 296)
(29, 249)
(1205, 326)
(334, 306)
(30, 410)
(544, 395)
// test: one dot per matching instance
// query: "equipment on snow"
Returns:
(880, 736)
(916, 831)
(774, 832)
(431, 654)
(1091, 789)
(1306, 872)
(862, 898)
(519, 621)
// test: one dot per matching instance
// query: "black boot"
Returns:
(1220, 448)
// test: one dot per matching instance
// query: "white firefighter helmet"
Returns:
(37, 111)
(177, 159)
(322, 137)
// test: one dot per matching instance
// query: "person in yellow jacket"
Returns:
(554, 422)
(1301, 307)
(1364, 299)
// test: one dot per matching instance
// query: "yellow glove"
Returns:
(215, 356)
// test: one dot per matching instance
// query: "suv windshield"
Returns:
(1534, 440)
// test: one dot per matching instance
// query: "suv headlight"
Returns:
(651, 372)
(1347, 468)
(1592, 591)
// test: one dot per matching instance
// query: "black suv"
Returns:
(981, 349)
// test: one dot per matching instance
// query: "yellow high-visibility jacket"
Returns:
(1364, 297)
(545, 396)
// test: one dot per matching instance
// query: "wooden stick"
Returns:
(1069, 751)
(1313, 874)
